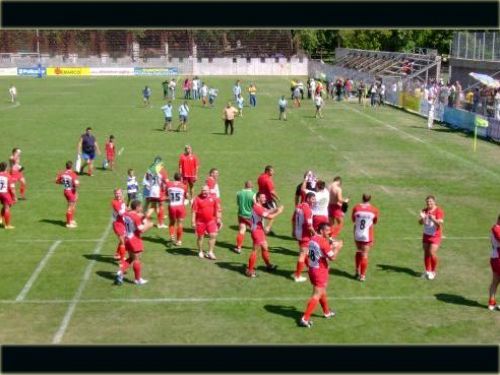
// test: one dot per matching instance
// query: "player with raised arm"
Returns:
(176, 193)
(337, 207)
(16, 172)
(188, 168)
(110, 148)
(69, 180)
(266, 186)
(205, 218)
(364, 216)
(432, 218)
(154, 182)
(321, 249)
(320, 207)
(303, 231)
(245, 199)
(495, 265)
(135, 224)
(119, 208)
(7, 195)
(259, 213)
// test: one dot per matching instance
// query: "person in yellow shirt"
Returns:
(228, 114)
(252, 90)
(469, 100)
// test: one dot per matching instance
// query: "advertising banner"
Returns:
(111, 71)
(156, 71)
(68, 71)
(32, 71)
(8, 71)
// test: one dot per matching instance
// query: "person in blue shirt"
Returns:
(183, 117)
(146, 93)
(167, 111)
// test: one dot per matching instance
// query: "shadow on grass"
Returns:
(60, 223)
(101, 258)
(342, 273)
(217, 133)
(458, 300)
(286, 311)
(284, 251)
(281, 237)
(181, 251)
(158, 239)
(392, 268)
(111, 276)
(232, 266)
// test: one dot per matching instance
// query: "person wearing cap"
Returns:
(87, 147)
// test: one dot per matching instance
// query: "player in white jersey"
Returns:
(495, 264)
(320, 207)
(132, 187)
(364, 217)
(13, 94)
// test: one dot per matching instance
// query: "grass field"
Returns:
(57, 283)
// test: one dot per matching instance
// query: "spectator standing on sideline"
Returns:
(171, 88)
(195, 87)
(252, 91)
(236, 89)
(469, 100)
(497, 104)
(204, 94)
(476, 99)
(228, 115)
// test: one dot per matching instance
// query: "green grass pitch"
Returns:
(56, 284)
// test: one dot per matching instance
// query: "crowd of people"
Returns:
(316, 220)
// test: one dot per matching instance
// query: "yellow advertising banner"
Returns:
(68, 71)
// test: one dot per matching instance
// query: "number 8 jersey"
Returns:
(364, 216)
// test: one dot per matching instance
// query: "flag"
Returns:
(481, 122)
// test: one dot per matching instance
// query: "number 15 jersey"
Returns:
(364, 216)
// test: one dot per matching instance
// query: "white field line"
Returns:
(214, 300)
(412, 212)
(452, 238)
(37, 271)
(15, 105)
(76, 298)
(387, 191)
(365, 173)
(470, 164)
(60, 240)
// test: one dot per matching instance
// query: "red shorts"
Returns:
(203, 228)
(134, 245)
(110, 158)
(258, 237)
(189, 180)
(360, 243)
(244, 220)
(434, 240)
(304, 243)
(176, 212)
(71, 196)
(495, 265)
(16, 176)
(318, 277)
(334, 210)
(119, 228)
(317, 220)
(6, 199)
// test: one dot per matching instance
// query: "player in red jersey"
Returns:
(212, 182)
(110, 148)
(176, 193)
(69, 180)
(337, 206)
(495, 264)
(205, 218)
(7, 194)
(259, 213)
(266, 186)
(364, 217)
(302, 227)
(119, 209)
(16, 171)
(432, 218)
(135, 224)
(188, 168)
(321, 249)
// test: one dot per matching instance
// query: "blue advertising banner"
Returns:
(156, 71)
(32, 72)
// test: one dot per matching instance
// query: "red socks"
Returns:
(120, 251)
(137, 269)
(239, 240)
(69, 217)
(300, 267)
(179, 232)
(324, 304)
(124, 265)
(492, 301)
(363, 265)
(6, 217)
(357, 261)
(433, 262)
(161, 215)
(171, 230)
(265, 256)
(22, 189)
(428, 263)
(252, 260)
(311, 305)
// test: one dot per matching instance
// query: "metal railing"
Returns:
(484, 46)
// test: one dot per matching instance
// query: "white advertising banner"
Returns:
(8, 71)
(111, 71)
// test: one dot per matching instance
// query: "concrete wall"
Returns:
(254, 66)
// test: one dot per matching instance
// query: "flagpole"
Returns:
(475, 138)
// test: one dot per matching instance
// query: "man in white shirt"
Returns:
(318, 102)
(282, 104)
(167, 111)
(171, 88)
(13, 94)
(183, 117)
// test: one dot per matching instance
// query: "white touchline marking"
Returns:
(452, 238)
(86, 276)
(60, 240)
(37, 271)
(387, 191)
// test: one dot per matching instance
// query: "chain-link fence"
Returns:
(476, 45)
